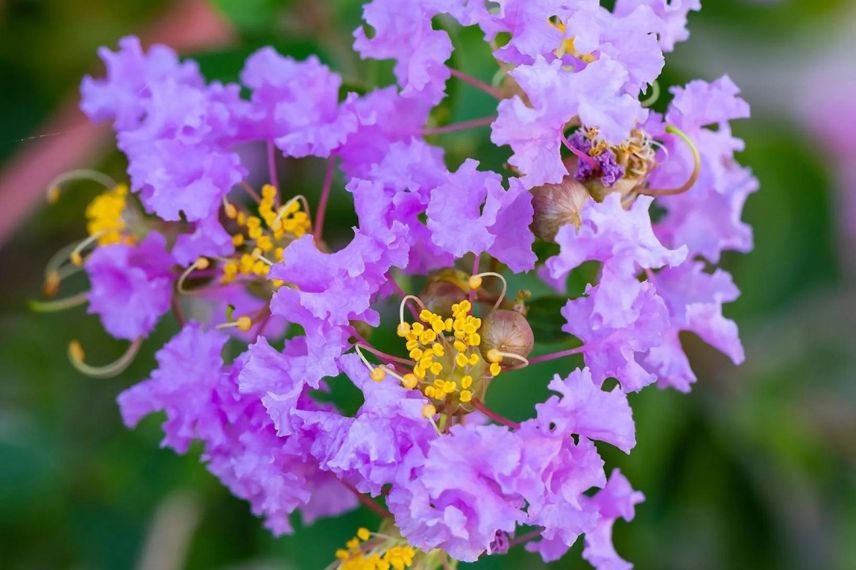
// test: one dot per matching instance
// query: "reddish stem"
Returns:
(325, 198)
(379, 353)
(368, 502)
(477, 83)
(524, 538)
(402, 293)
(555, 355)
(271, 160)
(178, 311)
(462, 126)
(498, 418)
(252, 193)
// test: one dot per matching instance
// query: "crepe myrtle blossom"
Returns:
(417, 307)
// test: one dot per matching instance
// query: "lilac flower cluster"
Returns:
(589, 162)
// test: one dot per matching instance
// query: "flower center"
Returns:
(375, 551)
(260, 240)
(449, 366)
(104, 216)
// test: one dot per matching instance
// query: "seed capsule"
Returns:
(556, 205)
(506, 331)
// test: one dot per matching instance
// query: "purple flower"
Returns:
(387, 435)
(280, 379)
(402, 30)
(706, 218)
(577, 34)
(535, 131)
(472, 213)
(617, 350)
(586, 410)
(384, 117)
(624, 242)
(554, 474)
(397, 190)
(297, 104)
(455, 503)
(131, 285)
(209, 239)
(201, 400)
(672, 27)
(131, 73)
(188, 373)
(616, 500)
(175, 130)
(334, 289)
(694, 299)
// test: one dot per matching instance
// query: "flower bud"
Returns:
(507, 331)
(556, 205)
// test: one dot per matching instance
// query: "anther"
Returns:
(77, 356)
(201, 263)
(378, 373)
(230, 210)
(243, 324)
(284, 211)
(429, 411)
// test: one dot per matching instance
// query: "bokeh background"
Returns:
(756, 468)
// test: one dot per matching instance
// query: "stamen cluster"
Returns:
(367, 551)
(447, 354)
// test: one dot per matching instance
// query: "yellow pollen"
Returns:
(403, 329)
(378, 374)
(429, 411)
(244, 324)
(493, 355)
(363, 533)
(466, 396)
(409, 381)
(461, 359)
(466, 382)
(474, 282)
(495, 369)
(104, 215)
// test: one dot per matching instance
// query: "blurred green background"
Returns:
(754, 469)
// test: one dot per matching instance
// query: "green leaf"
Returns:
(546, 319)
(252, 16)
